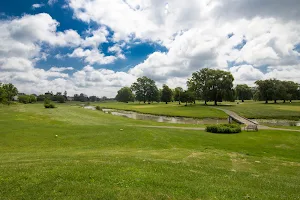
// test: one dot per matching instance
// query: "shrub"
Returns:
(98, 108)
(24, 99)
(224, 128)
(48, 104)
(32, 99)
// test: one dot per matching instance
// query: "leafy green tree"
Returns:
(2, 94)
(41, 97)
(24, 99)
(82, 97)
(291, 91)
(212, 85)
(93, 98)
(188, 97)
(166, 95)
(280, 92)
(125, 95)
(266, 89)
(177, 94)
(154, 94)
(9, 91)
(243, 92)
(60, 99)
(27, 99)
(145, 90)
(271, 89)
(32, 98)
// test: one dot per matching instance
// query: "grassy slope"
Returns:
(171, 109)
(93, 159)
(260, 110)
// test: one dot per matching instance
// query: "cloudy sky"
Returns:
(98, 46)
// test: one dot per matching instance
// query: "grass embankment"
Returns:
(93, 159)
(260, 110)
(199, 111)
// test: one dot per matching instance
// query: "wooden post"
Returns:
(229, 119)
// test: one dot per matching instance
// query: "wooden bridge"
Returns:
(236, 117)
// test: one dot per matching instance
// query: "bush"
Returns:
(98, 108)
(224, 128)
(27, 99)
(24, 99)
(48, 104)
(32, 99)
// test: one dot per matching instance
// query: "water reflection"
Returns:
(278, 122)
(165, 119)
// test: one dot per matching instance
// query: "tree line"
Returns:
(210, 85)
(9, 93)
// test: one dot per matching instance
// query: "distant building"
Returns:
(15, 98)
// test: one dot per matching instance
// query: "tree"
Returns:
(93, 98)
(32, 98)
(24, 99)
(9, 91)
(65, 94)
(265, 88)
(187, 97)
(82, 97)
(291, 91)
(2, 94)
(212, 85)
(243, 92)
(125, 95)
(166, 95)
(41, 97)
(145, 89)
(270, 89)
(177, 94)
(279, 90)
(60, 99)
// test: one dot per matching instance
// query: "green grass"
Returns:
(171, 109)
(260, 110)
(93, 159)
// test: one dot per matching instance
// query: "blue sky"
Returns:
(135, 54)
(98, 46)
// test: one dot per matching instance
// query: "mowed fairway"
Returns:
(171, 109)
(260, 110)
(93, 159)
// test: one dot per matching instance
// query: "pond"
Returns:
(166, 119)
(277, 122)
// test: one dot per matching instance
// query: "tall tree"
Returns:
(199, 84)
(93, 98)
(291, 91)
(166, 95)
(187, 97)
(266, 89)
(243, 92)
(177, 94)
(9, 91)
(212, 85)
(279, 90)
(2, 94)
(125, 95)
(145, 89)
